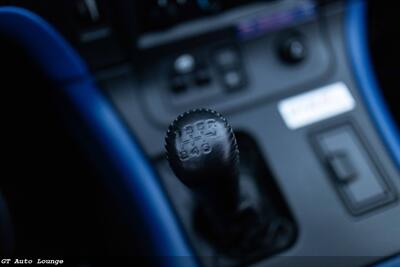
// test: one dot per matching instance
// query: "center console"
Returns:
(280, 73)
(256, 122)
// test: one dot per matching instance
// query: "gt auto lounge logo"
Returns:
(18, 261)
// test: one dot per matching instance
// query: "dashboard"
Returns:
(159, 15)
(302, 90)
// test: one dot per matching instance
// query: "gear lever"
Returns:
(235, 212)
(202, 151)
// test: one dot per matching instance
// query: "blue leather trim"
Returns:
(357, 44)
(134, 169)
(63, 65)
(393, 262)
(57, 59)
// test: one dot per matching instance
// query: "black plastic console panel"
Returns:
(325, 225)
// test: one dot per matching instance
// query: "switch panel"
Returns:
(354, 170)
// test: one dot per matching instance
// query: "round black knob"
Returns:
(202, 151)
(292, 49)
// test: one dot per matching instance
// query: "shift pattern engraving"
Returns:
(195, 139)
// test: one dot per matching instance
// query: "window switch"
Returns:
(355, 172)
(342, 167)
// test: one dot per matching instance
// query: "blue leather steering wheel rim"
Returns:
(61, 64)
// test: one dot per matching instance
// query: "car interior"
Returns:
(204, 133)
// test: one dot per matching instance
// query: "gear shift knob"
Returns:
(233, 211)
(202, 151)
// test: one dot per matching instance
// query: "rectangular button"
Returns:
(342, 167)
(356, 174)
